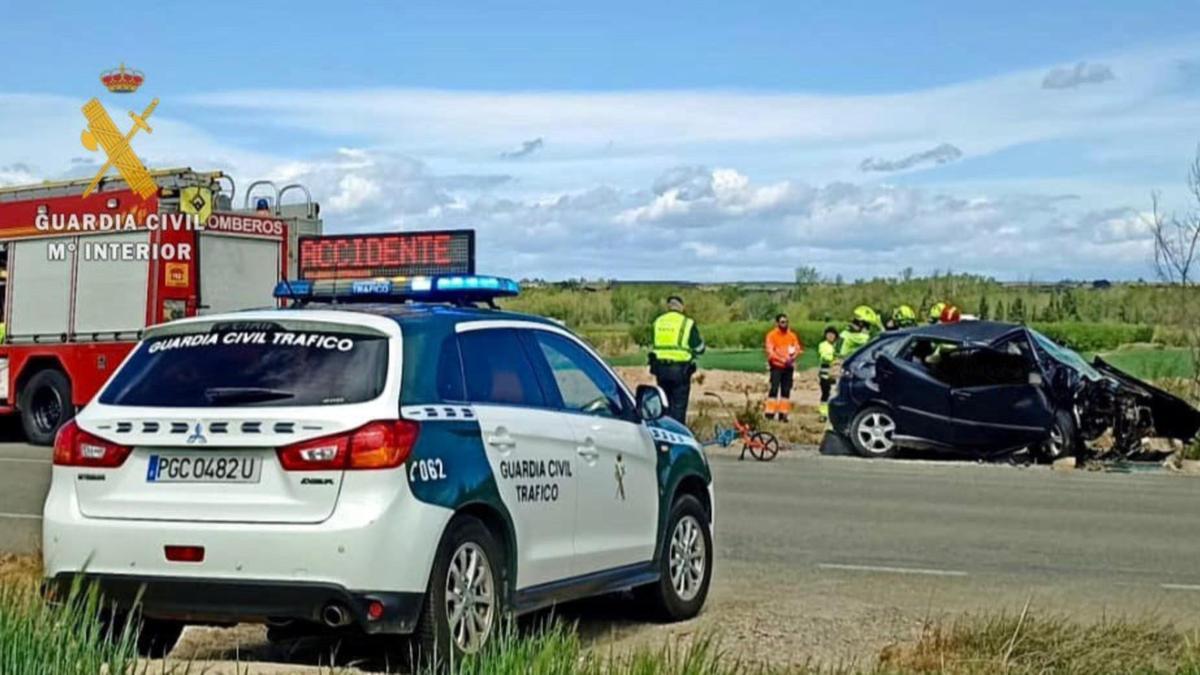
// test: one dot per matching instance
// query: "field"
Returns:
(740, 360)
(1150, 363)
(1145, 362)
(1142, 328)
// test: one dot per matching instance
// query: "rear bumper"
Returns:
(382, 545)
(199, 600)
(841, 412)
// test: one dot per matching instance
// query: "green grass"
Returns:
(1028, 644)
(37, 638)
(1149, 363)
(745, 360)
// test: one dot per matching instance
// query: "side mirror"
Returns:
(1035, 378)
(651, 402)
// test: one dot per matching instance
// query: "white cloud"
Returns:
(353, 192)
(527, 148)
(1080, 74)
(938, 155)
(16, 174)
(707, 184)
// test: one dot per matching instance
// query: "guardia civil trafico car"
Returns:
(385, 456)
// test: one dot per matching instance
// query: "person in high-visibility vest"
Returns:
(677, 343)
(827, 354)
(783, 347)
(859, 331)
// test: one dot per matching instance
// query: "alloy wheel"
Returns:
(470, 598)
(875, 433)
(687, 558)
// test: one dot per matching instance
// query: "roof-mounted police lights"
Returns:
(463, 288)
(428, 266)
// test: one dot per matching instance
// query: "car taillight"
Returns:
(378, 445)
(75, 447)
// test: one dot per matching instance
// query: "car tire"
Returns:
(1063, 440)
(872, 432)
(681, 589)
(155, 637)
(45, 403)
(439, 642)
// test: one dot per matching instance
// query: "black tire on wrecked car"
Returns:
(872, 432)
(1063, 440)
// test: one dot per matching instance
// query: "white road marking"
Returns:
(892, 570)
(1180, 587)
(21, 516)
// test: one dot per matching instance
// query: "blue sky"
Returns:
(743, 138)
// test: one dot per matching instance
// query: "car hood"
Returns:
(1173, 417)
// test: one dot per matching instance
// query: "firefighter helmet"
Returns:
(904, 316)
(935, 312)
(950, 314)
(866, 315)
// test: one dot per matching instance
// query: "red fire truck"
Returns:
(83, 276)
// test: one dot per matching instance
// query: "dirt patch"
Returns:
(19, 568)
(739, 391)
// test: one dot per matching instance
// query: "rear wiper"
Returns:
(244, 394)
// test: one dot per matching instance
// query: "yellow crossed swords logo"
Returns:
(103, 133)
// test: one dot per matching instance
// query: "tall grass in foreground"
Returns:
(558, 650)
(39, 638)
(1026, 644)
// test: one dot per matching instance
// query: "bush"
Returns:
(609, 340)
(750, 334)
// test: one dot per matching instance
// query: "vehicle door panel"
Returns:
(1000, 416)
(995, 404)
(920, 401)
(618, 496)
(531, 455)
(530, 448)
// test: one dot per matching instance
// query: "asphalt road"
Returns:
(24, 480)
(841, 544)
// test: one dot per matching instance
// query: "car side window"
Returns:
(583, 384)
(981, 367)
(497, 369)
(926, 352)
(450, 371)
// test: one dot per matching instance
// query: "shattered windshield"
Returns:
(1066, 356)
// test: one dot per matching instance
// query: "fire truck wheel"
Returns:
(45, 404)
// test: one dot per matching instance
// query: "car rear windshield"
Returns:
(253, 365)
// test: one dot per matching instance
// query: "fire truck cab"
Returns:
(81, 277)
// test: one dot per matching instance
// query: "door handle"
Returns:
(588, 451)
(501, 440)
(962, 394)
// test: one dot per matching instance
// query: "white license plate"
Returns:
(203, 468)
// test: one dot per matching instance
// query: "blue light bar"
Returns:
(448, 288)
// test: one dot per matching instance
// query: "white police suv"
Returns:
(420, 467)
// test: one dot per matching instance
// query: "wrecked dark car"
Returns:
(992, 389)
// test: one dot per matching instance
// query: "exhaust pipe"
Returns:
(335, 615)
